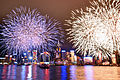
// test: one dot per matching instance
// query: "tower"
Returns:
(58, 49)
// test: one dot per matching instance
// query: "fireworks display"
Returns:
(97, 29)
(25, 29)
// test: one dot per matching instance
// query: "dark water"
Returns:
(34, 72)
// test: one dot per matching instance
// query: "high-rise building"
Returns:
(63, 54)
(58, 49)
(34, 56)
(72, 56)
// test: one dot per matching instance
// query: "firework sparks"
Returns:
(97, 28)
(27, 29)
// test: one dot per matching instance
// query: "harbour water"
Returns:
(73, 72)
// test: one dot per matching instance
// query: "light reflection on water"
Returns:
(63, 72)
(23, 72)
(34, 72)
(73, 72)
(89, 72)
(29, 74)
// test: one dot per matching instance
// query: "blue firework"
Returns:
(25, 29)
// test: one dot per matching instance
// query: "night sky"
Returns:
(58, 9)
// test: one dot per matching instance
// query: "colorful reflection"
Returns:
(13, 70)
(40, 73)
(46, 76)
(34, 72)
(4, 76)
(89, 72)
(26, 71)
(58, 72)
(73, 72)
(107, 72)
(29, 75)
(9, 72)
(55, 73)
(23, 72)
(1, 70)
(63, 72)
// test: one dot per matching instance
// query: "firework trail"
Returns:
(25, 29)
(97, 29)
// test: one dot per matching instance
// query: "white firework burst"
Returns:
(97, 29)
(27, 29)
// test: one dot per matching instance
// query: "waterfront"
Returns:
(34, 72)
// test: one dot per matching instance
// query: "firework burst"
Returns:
(27, 29)
(97, 29)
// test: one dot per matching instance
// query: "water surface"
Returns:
(34, 72)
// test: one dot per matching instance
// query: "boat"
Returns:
(59, 61)
(44, 65)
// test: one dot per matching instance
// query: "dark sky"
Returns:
(58, 9)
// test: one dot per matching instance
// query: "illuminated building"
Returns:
(63, 54)
(113, 59)
(2, 60)
(72, 53)
(6, 58)
(34, 56)
(30, 57)
(10, 59)
(58, 49)
(88, 60)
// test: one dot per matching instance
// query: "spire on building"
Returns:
(58, 44)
